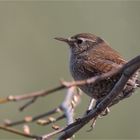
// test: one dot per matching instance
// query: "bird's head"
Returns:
(81, 42)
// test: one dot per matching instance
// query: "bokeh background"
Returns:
(30, 59)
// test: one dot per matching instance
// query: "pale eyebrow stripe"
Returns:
(84, 39)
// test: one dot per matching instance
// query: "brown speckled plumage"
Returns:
(91, 56)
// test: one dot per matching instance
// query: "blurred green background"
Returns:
(30, 59)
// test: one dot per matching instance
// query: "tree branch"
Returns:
(15, 131)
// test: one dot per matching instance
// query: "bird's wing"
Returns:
(101, 65)
(104, 59)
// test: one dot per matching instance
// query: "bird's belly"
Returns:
(93, 90)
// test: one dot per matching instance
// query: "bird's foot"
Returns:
(104, 113)
(92, 126)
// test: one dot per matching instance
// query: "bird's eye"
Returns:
(79, 41)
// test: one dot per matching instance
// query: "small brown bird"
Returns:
(91, 56)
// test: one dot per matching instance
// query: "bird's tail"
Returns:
(130, 87)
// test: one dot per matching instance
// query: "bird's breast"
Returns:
(77, 68)
(79, 72)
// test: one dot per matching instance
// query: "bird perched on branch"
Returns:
(90, 56)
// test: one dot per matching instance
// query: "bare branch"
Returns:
(15, 131)
(31, 95)
(28, 104)
(33, 118)
(48, 136)
(69, 104)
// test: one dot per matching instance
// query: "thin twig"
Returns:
(49, 121)
(67, 106)
(28, 104)
(31, 95)
(33, 118)
(48, 136)
(15, 131)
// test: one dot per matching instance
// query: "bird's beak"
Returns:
(63, 39)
